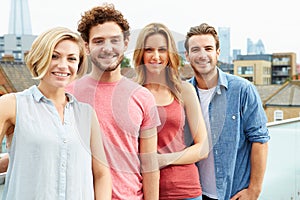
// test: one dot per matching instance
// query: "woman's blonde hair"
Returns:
(172, 75)
(39, 57)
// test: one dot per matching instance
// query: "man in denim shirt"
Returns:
(235, 120)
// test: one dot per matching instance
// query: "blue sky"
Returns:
(274, 22)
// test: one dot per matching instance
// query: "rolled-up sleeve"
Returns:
(254, 116)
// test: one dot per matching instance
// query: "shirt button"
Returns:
(233, 117)
(65, 141)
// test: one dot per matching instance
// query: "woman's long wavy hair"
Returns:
(172, 72)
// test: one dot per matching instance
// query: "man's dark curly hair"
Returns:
(100, 15)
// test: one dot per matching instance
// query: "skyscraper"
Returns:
(224, 37)
(181, 49)
(255, 48)
(19, 21)
(19, 38)
(235, 53)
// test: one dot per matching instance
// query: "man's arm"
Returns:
(102, 180)
(149, 163)
(258, 158)
(259, 154)
(101, 171)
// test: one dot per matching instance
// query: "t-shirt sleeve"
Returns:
(151, 116)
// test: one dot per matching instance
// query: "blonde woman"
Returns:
(56, 150)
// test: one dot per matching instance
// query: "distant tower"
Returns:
(235, 53)
(224, 37)
(19, 21)
(255, 48)
(260, 47)
(181, 49)
(250, 47)
(19, 38)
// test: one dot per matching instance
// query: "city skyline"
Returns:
(273, 23)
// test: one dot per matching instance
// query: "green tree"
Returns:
(182, 61)
(125, 62)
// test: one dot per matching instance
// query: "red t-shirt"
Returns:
(124, 108)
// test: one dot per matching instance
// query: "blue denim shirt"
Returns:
(237, 119)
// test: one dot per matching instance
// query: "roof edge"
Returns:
(285, 121)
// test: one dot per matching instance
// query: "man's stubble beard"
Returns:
(111, 68)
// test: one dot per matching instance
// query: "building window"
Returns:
(278, 115)
(245, 70)
(19, 48)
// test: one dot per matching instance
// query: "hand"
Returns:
(246, 194)
(162, 162)
(166, 159)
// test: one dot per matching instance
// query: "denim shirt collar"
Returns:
(222, 81)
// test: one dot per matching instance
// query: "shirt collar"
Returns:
(222, 80)
(38, 96)
(36, 93)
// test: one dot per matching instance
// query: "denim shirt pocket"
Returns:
(231, 127)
